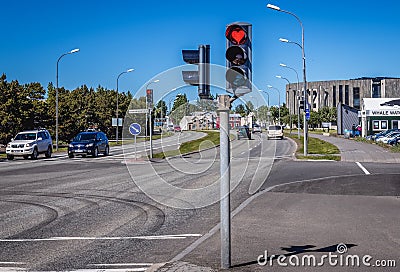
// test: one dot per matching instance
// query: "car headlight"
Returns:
(28, 145)
(89, 145)
(8, 145)
(71, 146)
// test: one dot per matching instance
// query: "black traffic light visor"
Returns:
(236, 55)
(236, 77)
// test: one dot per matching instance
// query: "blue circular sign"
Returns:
(135, 129)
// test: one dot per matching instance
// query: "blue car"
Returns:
(89, 143)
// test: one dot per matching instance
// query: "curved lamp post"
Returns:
(298, 109)
(124, 72)
(304, 70)
(279, 102)
(70, 52)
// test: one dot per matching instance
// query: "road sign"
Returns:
(308, 113)
(135, 129)
(139, 111)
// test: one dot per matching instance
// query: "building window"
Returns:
(356, 97)
(376, 125)
(376, 89)
(346, 94)
(384, 124)
(334, 96)
(340, 93)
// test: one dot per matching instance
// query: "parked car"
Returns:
(256, 128)
(389, 136)
(394, 141)
(274, 131)
(380, 134)
(30, 144)
(177, 129)
(89, 143)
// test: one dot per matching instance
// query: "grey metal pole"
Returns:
(151, 135)
(58, 60)
(304, 72)
(225, 181)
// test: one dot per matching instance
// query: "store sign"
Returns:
(383, 112)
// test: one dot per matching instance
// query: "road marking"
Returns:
(363, 168)
(155, 237)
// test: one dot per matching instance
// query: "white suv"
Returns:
(30, 143)
(275, 132)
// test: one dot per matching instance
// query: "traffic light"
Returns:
(238, 58)
(149, 98)
(200, 78)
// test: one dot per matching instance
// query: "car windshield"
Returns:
(85, 137)
(26, 136)
(274, 128)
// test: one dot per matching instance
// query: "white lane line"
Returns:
(122, 264)
(111, 270)
(155, 237)
(363, 168)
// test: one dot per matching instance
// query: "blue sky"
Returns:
(343, 39)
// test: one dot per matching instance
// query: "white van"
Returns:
(275, 131)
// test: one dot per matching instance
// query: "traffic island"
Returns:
(317, 149)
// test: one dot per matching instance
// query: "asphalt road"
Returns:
(117, 213)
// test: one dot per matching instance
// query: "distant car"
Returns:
(274, 131)
(243, 132)
(256, 128)
(170, 128)
(380, 134)
(177, 129)
(30, 144)
(89, 143)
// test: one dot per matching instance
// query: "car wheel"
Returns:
(107, 151)
(71, 155)
(48, 152)
(95, 152)
(10, 157)
(35, 154)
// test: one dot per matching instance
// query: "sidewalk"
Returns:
(353, 151)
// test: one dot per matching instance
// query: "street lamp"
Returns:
(124, 72)
(304, 71)
(147, 117)
(298, 108)
(268, 112)
(290, 116)
(279, 102)
(70, 52)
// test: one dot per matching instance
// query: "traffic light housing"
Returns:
(201, 77)
(149, 98)
(238, 58)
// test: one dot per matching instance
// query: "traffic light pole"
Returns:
(224, 104)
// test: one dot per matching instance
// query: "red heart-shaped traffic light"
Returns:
(236, 35)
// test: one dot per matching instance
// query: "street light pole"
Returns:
(268, 112)
(70, 52)
(304, 73)
(127, 71)
(290, 116)
(298, 108)
(279, 101)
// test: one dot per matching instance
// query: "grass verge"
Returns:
(209, 141)
(317, 149)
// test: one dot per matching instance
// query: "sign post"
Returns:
(135, 129)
